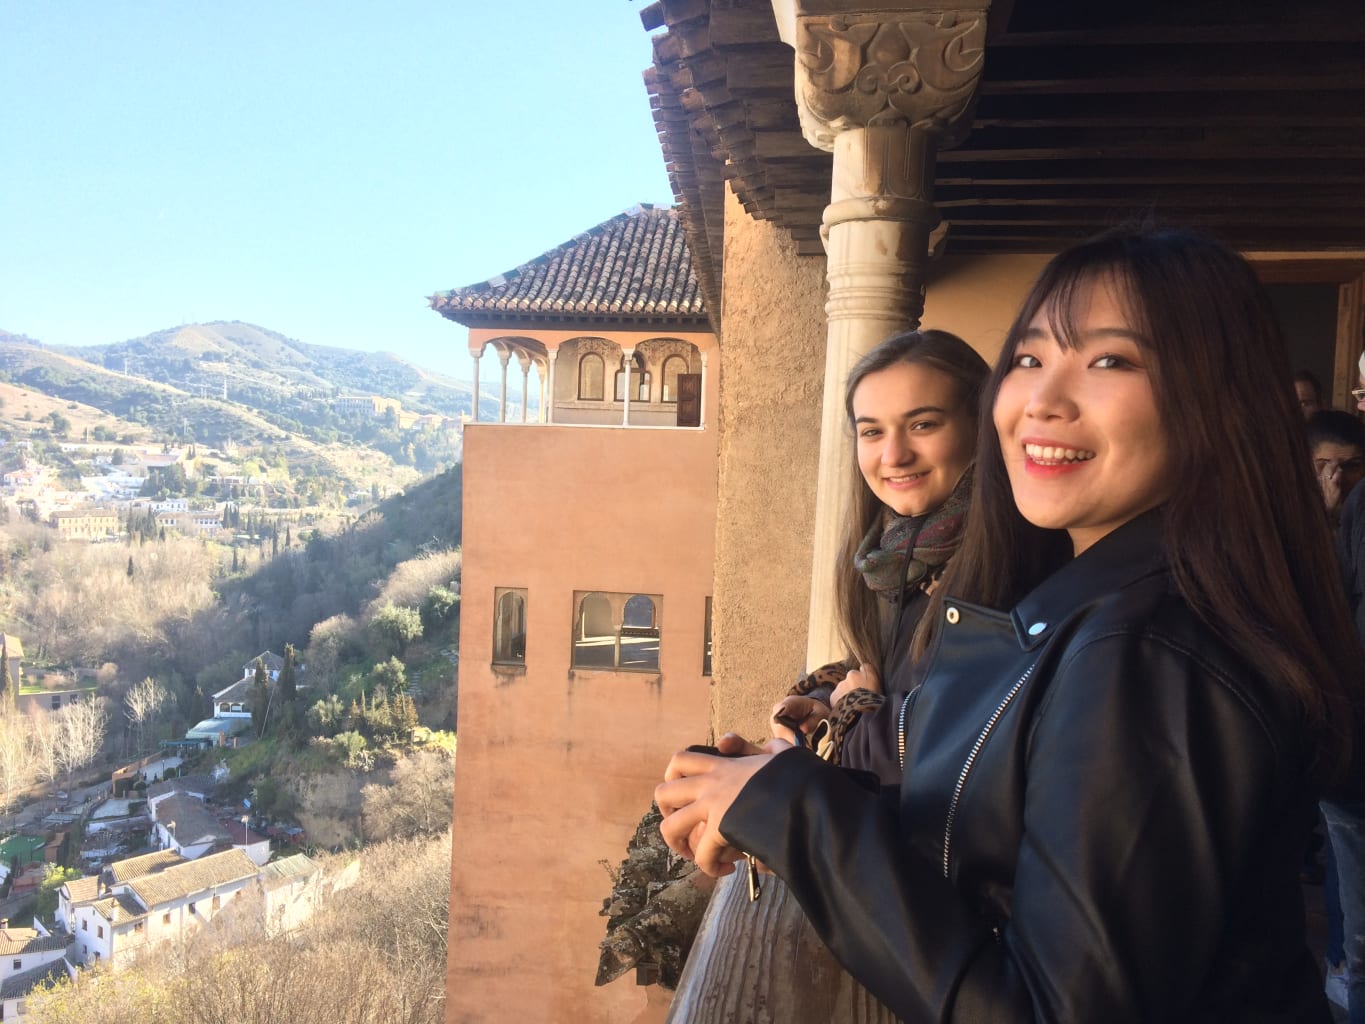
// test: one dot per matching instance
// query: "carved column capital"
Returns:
(915, 68)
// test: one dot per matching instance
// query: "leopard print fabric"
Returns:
(829, 742)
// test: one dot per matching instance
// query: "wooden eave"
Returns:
(1242, 117)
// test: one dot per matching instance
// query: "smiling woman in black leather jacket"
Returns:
(1136, 686)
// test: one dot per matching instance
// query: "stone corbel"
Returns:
(913, 67)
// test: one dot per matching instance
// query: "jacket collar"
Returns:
(1134, 550)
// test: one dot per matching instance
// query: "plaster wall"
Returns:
(976, 297)
(557, 765)
(773, 337)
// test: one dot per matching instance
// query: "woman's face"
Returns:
(1082, 440)
(915, 437)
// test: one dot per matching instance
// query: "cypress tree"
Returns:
(260, 698)
(288, 691)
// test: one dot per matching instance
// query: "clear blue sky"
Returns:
(314, 168)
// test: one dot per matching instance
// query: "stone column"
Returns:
(476, 354)
(503, 357)
(882, 91)
(550, 357)
(525, 361)
(628, 357)
(540, 376)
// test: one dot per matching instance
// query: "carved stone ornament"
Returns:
(579, 347)
(856, 71)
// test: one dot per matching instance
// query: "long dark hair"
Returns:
(855, 604)
(1248, 544)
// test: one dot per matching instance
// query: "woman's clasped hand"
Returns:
(697, 791)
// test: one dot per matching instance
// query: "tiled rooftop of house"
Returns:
(186, 817)
(18, 986)
(241, 835)
(147, 863)
(119, 908)
(287, 869)
(78, 890)
(197, 785)
(634, 266)
(193, 877)
(19, 941)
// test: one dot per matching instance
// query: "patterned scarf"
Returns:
(927, 541)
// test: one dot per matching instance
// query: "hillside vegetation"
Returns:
(175, 609)
(374, 953)
(239, 387)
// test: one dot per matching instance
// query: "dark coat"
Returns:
(1101, 821)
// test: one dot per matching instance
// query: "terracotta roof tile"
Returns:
(19, 941)
(193, 877)
(287, 869)
(136, 867)
(119, 908)
(194, 826)
(79, 890)
(17, 986)
(635, 266)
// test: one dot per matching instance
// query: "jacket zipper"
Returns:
(907, 706)
(971, 761)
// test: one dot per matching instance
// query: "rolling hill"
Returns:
(236, 385)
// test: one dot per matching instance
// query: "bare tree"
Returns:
(142, 703)
(82, 728)
(419, 799)
(16, 759)
(45, 739)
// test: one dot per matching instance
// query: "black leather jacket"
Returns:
(1101, 819)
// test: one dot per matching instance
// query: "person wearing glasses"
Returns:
(1337, 442)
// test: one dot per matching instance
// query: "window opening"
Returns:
(591, 373)
(706, 642)
(617, 632)
(509, 627)
(674, 366)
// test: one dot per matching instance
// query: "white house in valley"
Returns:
(28, 957)
(158, 897)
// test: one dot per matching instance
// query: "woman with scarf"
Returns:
(912, 405)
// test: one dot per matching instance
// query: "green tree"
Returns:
(391, 675)
(260, 699)
(288, 688)
(54, 877)
(396, 626)
(327, 715)
(439, 607)
(6, 691)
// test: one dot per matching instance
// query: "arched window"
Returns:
(594, 635)
(591, 377)
(616, 632)
(673, 366)
(639, 613)
(638, 377)
(640, 635)
(509, 628)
